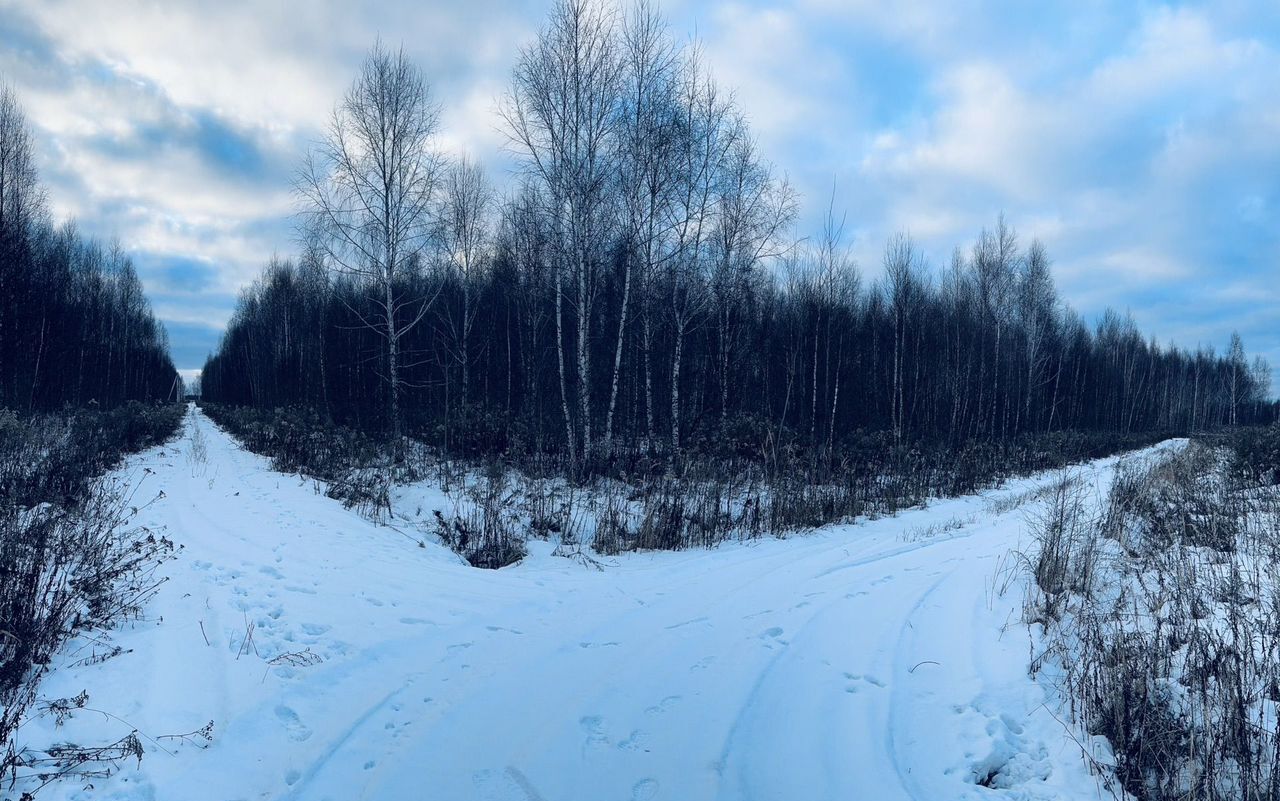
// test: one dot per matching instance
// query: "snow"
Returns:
(854, 662)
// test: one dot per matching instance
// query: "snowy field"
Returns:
(339, 660)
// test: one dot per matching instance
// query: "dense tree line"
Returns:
(641, 288)
(75, 326)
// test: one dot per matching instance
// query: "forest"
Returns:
(643, 289)
(75, 326)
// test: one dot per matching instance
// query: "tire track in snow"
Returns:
(906, 780)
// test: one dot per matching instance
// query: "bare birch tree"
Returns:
(646, 146)
(1239, 369)
(370, 187)
(994, 259)
(707, 128)
(561, 116)
(754, 210)
(464, 232)
(1037, 301)
(904, 285)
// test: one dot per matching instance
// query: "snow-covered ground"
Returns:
(859, 662)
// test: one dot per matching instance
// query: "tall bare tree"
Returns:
(464, 230)
(754, 209)
(904, 285)
(994, 259)
(706, 133)
(1238, 373)
(1036, 304)
(1260, 373)
(561, 117)
(646, 146)
(370, 187)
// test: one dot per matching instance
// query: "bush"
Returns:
(756, 481)
(51, 458)
(69, 560)
(482, 527)
(1160, 608)
(356, 468)
(1256, 453)
(715, 500)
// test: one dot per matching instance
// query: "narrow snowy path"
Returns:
(852, 663)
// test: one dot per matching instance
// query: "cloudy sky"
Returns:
(1139, 141)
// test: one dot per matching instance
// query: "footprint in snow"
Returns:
(296, 729)
(509, 784)
(663, 705)
(644, 790)
(636, 741)
(315, 629)
(593, 725)
(1014, 758)
(858, 680)
(772, 635)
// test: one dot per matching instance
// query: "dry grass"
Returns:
(1160, 608)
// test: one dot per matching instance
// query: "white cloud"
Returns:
(986, 130)
(133, 101)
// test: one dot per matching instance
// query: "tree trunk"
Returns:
(617, 354)
(584, 354)
(466, 354)
(648, 378)
(393, 368)
(675, 388)
(564, 384)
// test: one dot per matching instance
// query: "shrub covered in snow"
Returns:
(482, 525)
(51, 458)
(355, 468)
(706, 496)
(1161, 609)
(70, 560)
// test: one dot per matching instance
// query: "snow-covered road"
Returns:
(852, 663)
